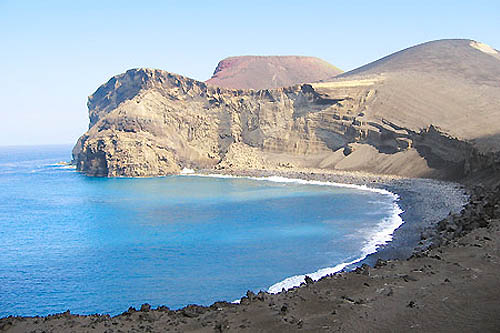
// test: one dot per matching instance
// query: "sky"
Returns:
(54, 54)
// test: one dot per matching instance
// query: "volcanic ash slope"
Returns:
(432, 110)
(267, 72)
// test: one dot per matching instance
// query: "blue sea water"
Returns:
(101, 245)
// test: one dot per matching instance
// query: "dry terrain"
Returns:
(267, 72)
(432, 110)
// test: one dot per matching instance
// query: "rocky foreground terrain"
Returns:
(432, 110)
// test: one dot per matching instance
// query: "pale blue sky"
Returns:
(56, 53)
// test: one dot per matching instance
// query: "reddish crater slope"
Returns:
(265, 72)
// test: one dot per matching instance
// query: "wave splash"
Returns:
(382, 235)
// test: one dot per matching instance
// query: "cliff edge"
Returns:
(432, 110)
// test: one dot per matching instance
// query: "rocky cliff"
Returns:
(429, 111)
(267, 72)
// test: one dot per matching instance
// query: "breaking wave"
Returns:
(374, 239)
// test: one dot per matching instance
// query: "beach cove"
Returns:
(421, 202)
(159, 226)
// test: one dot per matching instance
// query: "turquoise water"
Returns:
(101, 245)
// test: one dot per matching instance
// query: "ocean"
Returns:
(100, 245)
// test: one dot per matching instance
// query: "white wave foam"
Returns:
(279, 179)
(69, 167)
(187, 171)
(382, 234)
(60, 165)
(53, 167)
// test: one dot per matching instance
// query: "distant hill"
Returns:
(470, 60)
(264, 72)
(453, 84)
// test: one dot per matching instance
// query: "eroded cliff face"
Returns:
(150, 122)
(429, 123)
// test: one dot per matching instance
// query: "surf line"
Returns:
(380, 236)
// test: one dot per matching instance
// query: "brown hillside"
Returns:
(265, 72)
(451, 84)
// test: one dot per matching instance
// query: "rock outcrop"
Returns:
(429, 111)
(267, 72)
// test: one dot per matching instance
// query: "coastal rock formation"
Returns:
(267, 72)
(432, 110)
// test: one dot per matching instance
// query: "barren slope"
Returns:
(451, 84)
(266, 72)
(429, 111)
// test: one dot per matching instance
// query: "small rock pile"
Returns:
(483, 209)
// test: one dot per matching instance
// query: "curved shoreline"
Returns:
(381, 235)
(424, 202)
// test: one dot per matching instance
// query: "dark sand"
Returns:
(452, 287)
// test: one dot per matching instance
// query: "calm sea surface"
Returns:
(101, 245)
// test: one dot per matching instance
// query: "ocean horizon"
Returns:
(100, 245)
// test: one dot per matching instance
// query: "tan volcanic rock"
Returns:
(267, 72)
(429, 111)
